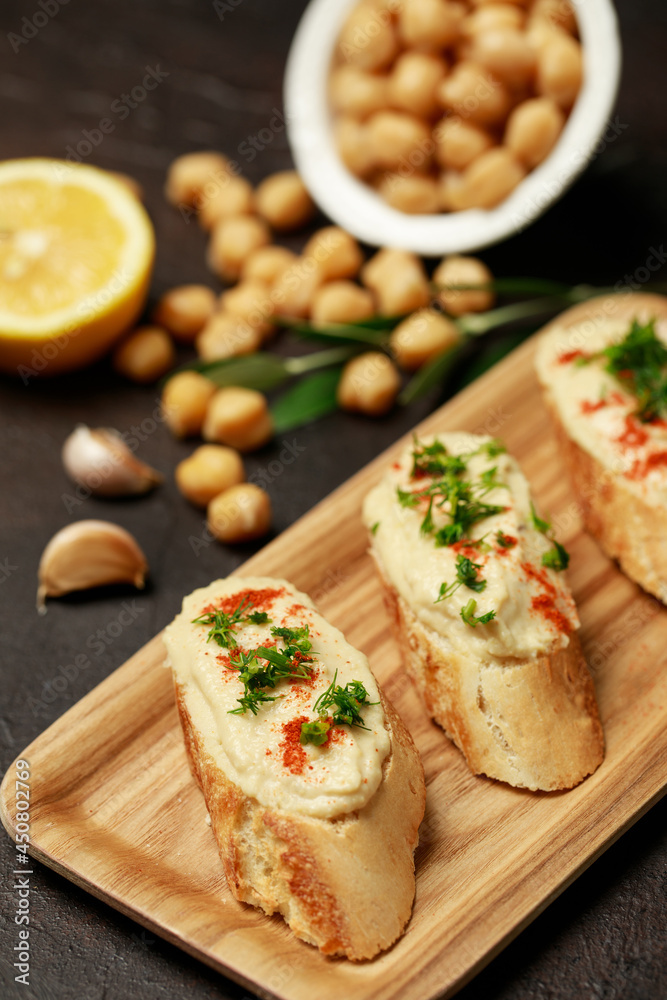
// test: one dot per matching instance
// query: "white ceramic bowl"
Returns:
(356, 207)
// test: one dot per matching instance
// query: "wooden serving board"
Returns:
(114, 808)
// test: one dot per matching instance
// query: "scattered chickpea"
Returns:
(252, 302)
(367, 39)
(267, 264)
(227, 336)
(283, 200)
(413, 194)
(459, 142)
(369, 384)
(396, 136)
(335, 252)
(533, 128)
(457, 270)
(210, 469)
(184, 402)
(294, 289)
(240, 514)
(185, 310)
(556, 13)
(188, 175)
(357, 93)
(491, 16)
(234, 196)
(489, 179)
(398, 280)
(507, 53)
(421, 337)
(146, 355)
(239, 418)
(232, 241)
(414, 81)
(430, 24)
(341, 302)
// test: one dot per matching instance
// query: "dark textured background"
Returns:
(605, 936)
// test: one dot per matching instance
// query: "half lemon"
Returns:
(76, 256)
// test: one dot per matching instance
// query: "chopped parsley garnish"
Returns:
(375, 527)
(224, 624)
(466, 576)
(558, 557)
(465, 506)
(468, 614)
(639, 362)
(505, 541)
(346, 703)
(293, 661)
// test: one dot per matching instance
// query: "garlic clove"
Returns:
(100, 461)
(89, 554)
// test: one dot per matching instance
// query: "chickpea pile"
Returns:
(330, 282)
(445, 105)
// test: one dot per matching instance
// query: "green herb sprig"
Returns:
(346, 703)
(639, 362)
(558, 557)
(224, 624)
(468, 615)
(293, 661)
(466, 576)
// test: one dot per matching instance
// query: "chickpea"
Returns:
(533, 129)
(267, 264)
(188, 175)
(294, 289)
(484, 3)
(210, 469)
(251, 301)
(368, 39)
(354, 145)
(239, 418)
(459, 142)
(558, 13)
(414, 81)
(369, 384)
(341, 302)
(489, 179)
(491, 16)
(560, 69)
(184, 401)
(413, 194)
(283, 200)
(227, 336)
(233, 196)
(430, 24)
(506, 53)
(240, 514)
(146, 354)
(357, 93)
(422, 337)
(457, 270)
(185, 310)
(336, 253)
(232, 241)
(399, 281)
(475, 94)
(449, 187)
(396, 136)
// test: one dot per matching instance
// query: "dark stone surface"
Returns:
(605, 936)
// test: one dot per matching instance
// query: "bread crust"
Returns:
(345, 885)
(532, 723)
(626, 526)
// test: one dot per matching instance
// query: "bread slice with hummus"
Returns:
(313, 784)
(485, 620)
(603, 369)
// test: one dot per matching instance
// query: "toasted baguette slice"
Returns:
(323, 835)
(512, 692)
(617, 464)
